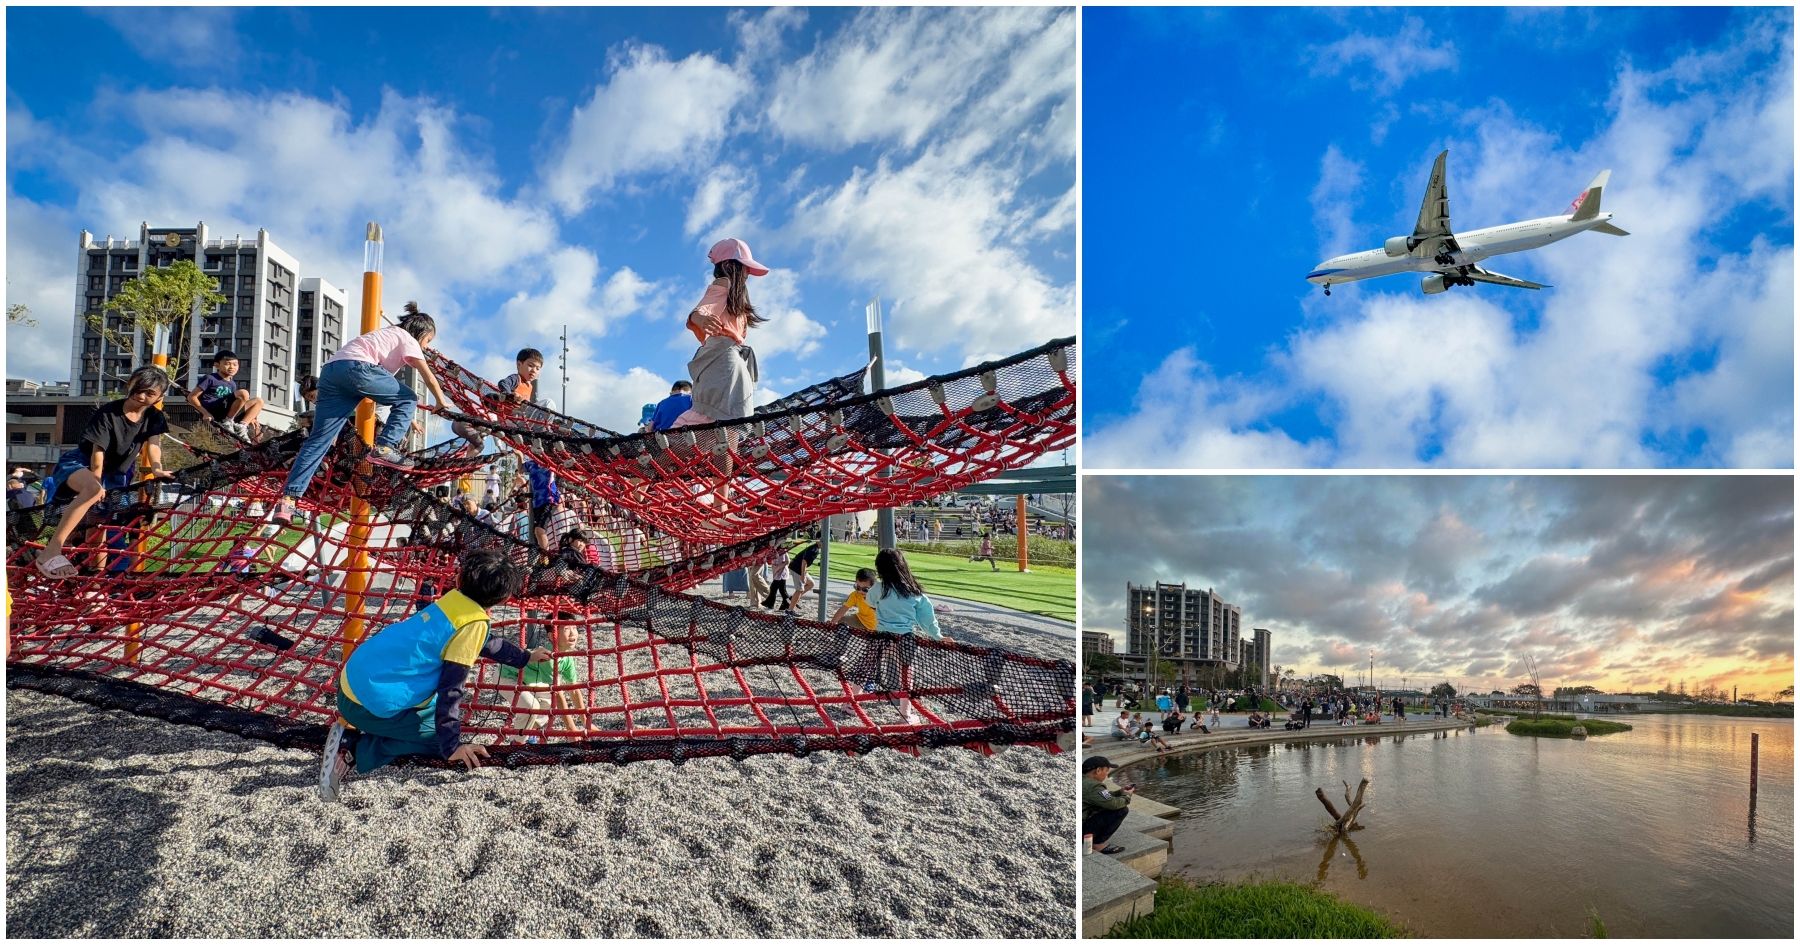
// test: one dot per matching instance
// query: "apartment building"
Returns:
(1175, 622)
(257, 320)
(321, 332)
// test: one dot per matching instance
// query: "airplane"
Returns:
(1450, 258)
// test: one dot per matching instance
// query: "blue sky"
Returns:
(536, 167)
(1227, 151)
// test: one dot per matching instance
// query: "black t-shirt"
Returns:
(108, 429)
(804, 559)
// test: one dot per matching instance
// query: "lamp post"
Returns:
(884, 518)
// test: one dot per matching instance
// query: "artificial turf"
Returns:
(1047, 591)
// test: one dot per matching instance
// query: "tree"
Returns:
(1574, 691)
(1787, 693)
(1443, 690)
(18, 314)
(1329, 681)
(1159, 672)
(1527, 689)
(1102, 665)
(159, 300)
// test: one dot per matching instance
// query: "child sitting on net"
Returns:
(401, 692)
(856, 611)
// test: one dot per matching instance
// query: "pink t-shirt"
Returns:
(713, 303)
(388, 347)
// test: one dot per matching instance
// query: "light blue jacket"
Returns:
(897, 614)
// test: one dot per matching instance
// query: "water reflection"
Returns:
(1479, 833)
(1331, 849)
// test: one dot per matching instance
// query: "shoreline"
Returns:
(1130, 754)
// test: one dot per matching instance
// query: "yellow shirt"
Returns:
(859, 605)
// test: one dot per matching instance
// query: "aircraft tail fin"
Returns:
(1608, 228)
(1587, 206)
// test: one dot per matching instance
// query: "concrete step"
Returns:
(1142, 852)
(1112, 892)
(1147, 824)
(1144, 805)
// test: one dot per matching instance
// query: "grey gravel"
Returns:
(125, 826)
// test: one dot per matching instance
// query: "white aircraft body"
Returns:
(1451, 258)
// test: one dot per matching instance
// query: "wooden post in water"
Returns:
(1754, 739)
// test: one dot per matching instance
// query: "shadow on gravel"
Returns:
(70, 876)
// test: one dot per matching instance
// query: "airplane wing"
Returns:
(1433, 229)
(1493, 278)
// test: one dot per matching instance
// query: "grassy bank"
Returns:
(1253, 910)
(1042, 590)
(1558, 728)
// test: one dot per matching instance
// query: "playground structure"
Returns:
(192, 607)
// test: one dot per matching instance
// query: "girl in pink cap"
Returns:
(724, 369)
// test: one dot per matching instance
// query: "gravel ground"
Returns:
(123, 826)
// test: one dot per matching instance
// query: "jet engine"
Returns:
(1397, 246)
(1434, 284)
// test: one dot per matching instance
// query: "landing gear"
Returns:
(1328, 290)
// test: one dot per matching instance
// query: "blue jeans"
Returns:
(342, 386)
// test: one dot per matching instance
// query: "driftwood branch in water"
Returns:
(1344, 822)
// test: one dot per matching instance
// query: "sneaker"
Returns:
(284, 511)
(908, 713)
(390, 457)
(335, 765)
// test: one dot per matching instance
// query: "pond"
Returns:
(1478, 833)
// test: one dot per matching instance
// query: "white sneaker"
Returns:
(908, 713)
(335, 765)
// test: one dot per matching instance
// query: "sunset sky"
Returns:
(1620, 582)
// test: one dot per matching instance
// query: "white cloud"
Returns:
(1334, 202)
(40, 274)
(652, 115)
(897, 74)
(185, 36)
(927, 237)
(576, 297)
(722, 203)
(777, 298)
(1405, 55)
(1402, 379)
(1188, 418)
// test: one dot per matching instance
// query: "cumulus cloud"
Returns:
(654, 114)
(1670, 346)
(1392, 60)
(1609, 581)
(985, 98)
(186, 36)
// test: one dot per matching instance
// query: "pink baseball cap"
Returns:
(738, 250)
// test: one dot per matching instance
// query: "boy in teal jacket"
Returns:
(402, 690)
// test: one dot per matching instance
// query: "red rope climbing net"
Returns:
(828, 449)
(192, 606)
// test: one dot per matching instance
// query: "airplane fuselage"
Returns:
(1476, 245)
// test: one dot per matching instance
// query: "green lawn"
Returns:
(1558, 728)
(1252, 910)
(1047, 591)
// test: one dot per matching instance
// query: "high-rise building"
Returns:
(1173, 622)
(1264, 643)
(1093, 641)
(256, 321)
(321, 333)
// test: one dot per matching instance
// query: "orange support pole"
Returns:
(356, 583)
(1024, 559)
